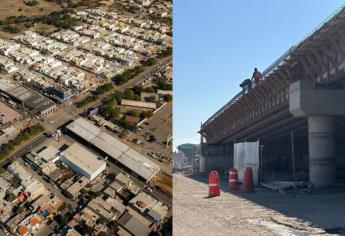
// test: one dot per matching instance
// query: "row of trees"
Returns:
(87, 100)
(11, 29)
(149, 62)
(93, 97)
(127, 75)
(104, 88)
(23, 136)
(163, 85)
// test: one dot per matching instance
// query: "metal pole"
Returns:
(293, 155)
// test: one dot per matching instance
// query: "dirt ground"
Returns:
(11, 7)
(164, 181)
(261, 213)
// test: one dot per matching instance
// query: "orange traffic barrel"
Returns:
(248, 183)
(213, 184)
(233, 179)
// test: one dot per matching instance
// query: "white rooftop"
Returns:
(125, 155)
(83, 158)
(49, 153)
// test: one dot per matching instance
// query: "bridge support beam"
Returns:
(319, 106)
(321, 151)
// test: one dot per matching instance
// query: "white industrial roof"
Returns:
(128, 157)
(48, 153)
(83, 158)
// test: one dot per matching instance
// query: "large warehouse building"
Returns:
(112, 147)
(83, 161)
(36, 103)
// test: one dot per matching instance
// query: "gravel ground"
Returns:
(262, 213)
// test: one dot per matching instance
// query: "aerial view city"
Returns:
(85, 117)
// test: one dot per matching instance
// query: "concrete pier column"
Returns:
(321, 151)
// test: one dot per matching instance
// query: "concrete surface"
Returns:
(261, 213)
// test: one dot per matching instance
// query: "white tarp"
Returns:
(247, 155)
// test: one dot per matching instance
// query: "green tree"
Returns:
(10, 197)
(20, 210)
(149, 62)
(2, 69)
(151, 99)
(133, 113)
(146, 114)
(168, 97)
(150, 90)
(100, 221)
(129, 94)
(11, 29)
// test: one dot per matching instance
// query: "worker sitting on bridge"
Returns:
(246, 85)
(257, 76)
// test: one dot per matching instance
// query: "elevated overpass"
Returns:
(297, 112)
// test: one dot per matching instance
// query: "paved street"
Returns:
(262, 213)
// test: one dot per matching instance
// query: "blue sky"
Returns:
(218, 43)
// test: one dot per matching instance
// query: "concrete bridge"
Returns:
(297, 112)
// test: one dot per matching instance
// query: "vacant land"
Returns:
(17, 7)
(261, 213)
(164, 181)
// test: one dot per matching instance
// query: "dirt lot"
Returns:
(261, 213)
(164, 181)
(11, 7)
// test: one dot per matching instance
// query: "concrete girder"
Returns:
(328, 55)
(263, 86)
(260, 91)
(249, 106)
(277, 81)
(314, 63)
(271, 86)
(244, 102)
(306, 66)
(208, 131)
(231, 114)
(314, 58)
(318, 58)
(281, 77)
(286, 71)
(272, 83)
(260, 124)
(211, 130)
(342, 36)
(255, 94)
(241, 105)
(247, 103)
(251, 98)
(309, 60)
(336, 46)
